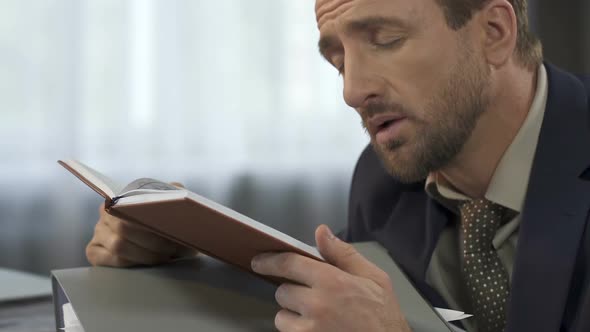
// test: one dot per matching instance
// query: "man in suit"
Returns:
(477, 180)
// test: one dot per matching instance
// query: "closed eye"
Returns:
(389, 44)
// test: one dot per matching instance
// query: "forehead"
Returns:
(331, 11)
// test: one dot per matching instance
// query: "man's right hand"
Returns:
(121, 243)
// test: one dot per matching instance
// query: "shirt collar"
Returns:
(509, 183)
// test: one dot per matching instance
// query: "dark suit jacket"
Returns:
(551, 276)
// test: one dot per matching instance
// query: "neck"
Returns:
(511, 99)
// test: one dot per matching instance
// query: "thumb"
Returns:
(344, 256)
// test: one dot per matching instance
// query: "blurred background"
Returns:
(229, 97)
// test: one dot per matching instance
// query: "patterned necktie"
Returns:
(487, 280)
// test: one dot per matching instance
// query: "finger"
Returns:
(344, 256)
(294, 298)
(142, 237)
(184, 252)
(287, 321)
(294, 267)
(178, 184)
(97, 255)
(120, 247)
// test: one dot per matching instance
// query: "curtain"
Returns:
(229, 96)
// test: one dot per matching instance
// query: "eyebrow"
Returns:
(372, 22)
(330, 42)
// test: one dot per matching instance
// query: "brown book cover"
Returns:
(190, 219)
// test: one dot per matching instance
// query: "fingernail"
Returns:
(329, 234)
(254, 263)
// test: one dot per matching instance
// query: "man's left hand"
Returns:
(345, 293)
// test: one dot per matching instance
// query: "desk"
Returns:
(27, 316)
(202, 294)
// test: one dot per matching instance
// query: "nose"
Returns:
(361, 84)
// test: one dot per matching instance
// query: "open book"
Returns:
(190, 219)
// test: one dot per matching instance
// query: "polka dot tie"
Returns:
(486, 278)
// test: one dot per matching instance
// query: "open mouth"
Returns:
(386, 127)
(385, 124)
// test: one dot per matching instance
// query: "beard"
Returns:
(450, 117)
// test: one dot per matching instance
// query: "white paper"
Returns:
(452, 315)
(71, 321)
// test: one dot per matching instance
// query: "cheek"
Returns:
(414, 130)
(418, 73)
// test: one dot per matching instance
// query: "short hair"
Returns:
(529, 50)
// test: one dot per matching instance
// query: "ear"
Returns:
(500, 29)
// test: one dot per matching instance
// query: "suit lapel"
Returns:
(411, 237)
(555, 211)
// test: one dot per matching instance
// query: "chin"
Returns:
(400, 162)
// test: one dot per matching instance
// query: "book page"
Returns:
(93, 178)
(146, 186)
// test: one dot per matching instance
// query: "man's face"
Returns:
(418, 85)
